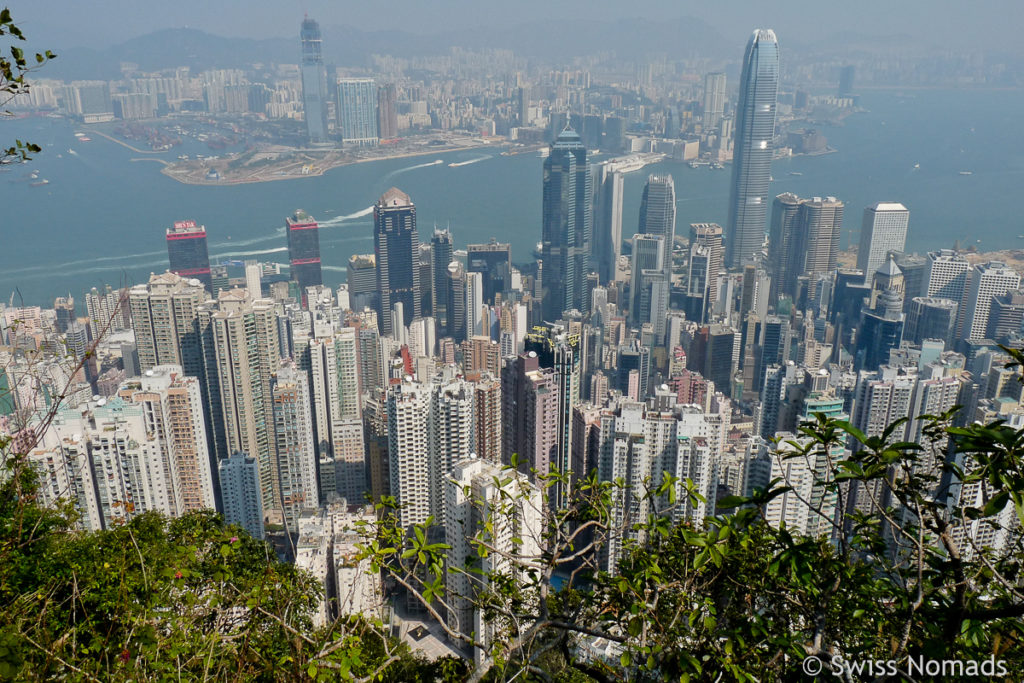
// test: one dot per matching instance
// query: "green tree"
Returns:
(13, 69)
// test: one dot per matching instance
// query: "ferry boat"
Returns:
(966, 172)
(543, 152)
(37, 183)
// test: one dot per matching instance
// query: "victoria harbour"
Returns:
(101, 217)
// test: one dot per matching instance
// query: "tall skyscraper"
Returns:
(441, 256)
(658, 213)
(648, 260)
(397, 254)
(361, 276)
(709, 236)
(304, 250)
(752, 148)
(607, 242)
(567, 224)
(357, 111)
(884, 229)
(314, 82)
(931, 318)
(187, 252)
(804, 239)
(714, 99)
(387, 112)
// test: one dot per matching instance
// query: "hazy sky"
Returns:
(956, 23)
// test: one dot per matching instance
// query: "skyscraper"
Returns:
(304, 250)
(804, 239)
(357, 111)
(494, 261)
(884, 229)
(397, 253)
(752, 148)
(714, 99)
(607, 242)
(658, 213)
(709, 236)
(187, 252)
(441, 256)
(648, 260)
(314, 82)
(242, 345)
(567, 225)
(387, 113)
(987, 281)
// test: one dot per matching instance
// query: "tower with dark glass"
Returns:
(752, 148)
(396, 246)
(187, 253)
(304, 249)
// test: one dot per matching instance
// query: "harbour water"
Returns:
(101, 218)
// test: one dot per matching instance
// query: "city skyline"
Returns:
(604, 359)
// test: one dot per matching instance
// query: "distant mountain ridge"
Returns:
(349, 46)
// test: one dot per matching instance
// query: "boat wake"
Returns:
(257, 252)
(338, 220)
(392, 174)
(467, 163)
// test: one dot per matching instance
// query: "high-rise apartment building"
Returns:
(337, 409)
(883, 230)
(752, 148)
(242, 347)
(567, 226)
(187, 252)
(314, 82)
(303, 250)
(164, 314)
(108, 309)
(173, 413)
(408, 423)
(240, 492)
(714, 99)
(479, 496)
(397, 254)
(293, 443)
(357, 111)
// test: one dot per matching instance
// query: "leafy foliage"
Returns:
(13, 69)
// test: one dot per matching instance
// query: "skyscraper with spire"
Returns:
(314, 82)
(567, 226)
(752, 148)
